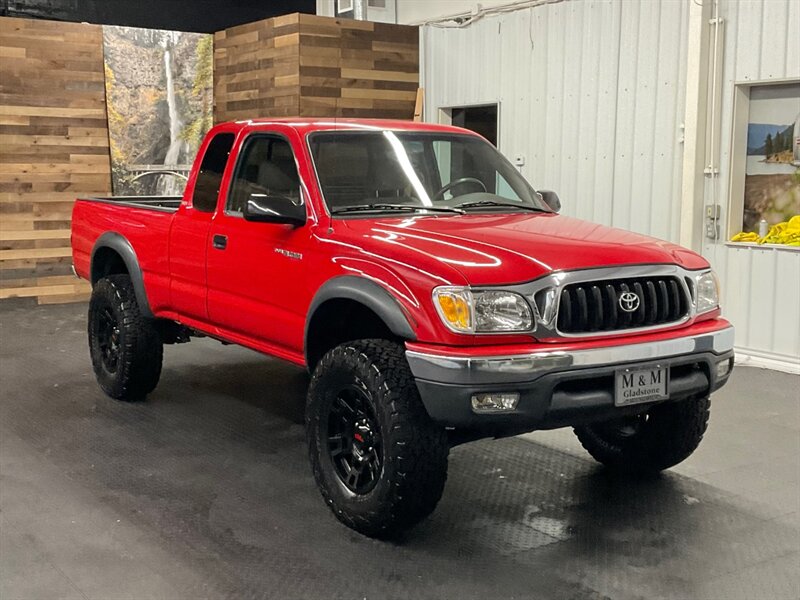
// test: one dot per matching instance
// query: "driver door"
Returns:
(254, 269)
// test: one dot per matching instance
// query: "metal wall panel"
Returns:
(761, 286)
(592, 94)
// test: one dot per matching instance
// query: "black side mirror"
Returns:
(274, 208)
(550, 198)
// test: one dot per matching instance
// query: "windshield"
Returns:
(383, 171)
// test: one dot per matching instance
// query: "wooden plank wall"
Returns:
(53, 147)
(357, 68)
(311, 66)
(256, 71)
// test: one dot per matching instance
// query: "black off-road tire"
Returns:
(135, 371)
(663, 437)
(413, 448)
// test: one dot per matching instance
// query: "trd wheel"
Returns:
(378, 459)
(354, 440)
(649, 442)
(125, 347)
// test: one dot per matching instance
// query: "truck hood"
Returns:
(501, 249)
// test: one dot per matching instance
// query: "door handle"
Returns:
(220, 242)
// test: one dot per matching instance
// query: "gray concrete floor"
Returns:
(204, 491)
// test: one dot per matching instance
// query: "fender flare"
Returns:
(370, 294)
(122, 246)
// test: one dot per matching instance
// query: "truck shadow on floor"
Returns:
(279, 389)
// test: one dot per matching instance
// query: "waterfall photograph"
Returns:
(159, 102)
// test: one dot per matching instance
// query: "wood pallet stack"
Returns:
(311, 66)
(53, 147)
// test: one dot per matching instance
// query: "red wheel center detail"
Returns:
(358, 437)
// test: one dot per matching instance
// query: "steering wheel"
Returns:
(438, 195)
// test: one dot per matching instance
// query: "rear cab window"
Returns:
(209, 179)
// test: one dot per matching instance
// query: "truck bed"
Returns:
(162, 203)
(144, 223)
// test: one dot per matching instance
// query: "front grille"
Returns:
(595, 305)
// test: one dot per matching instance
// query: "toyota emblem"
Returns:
(628, 301)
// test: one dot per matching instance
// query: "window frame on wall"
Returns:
(737, 158)
(379, 11)
(344, 6)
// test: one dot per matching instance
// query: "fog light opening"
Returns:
(495, 402)
(723, 368)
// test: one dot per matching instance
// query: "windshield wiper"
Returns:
(395, 207)
(480, 203)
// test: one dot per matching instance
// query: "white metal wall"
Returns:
(761, 286)
(419, 11)
(414, 12)
(591, 93)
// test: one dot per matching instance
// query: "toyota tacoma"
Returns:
(434, 295)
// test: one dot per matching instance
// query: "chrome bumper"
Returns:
(520, 368)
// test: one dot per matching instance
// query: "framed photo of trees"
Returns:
(765, 157)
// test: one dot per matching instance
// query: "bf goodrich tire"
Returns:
(644, 444)
(378, 458)
(125, 347)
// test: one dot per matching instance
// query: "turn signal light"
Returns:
(454, 307)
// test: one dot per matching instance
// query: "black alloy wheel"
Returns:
(108, 338)
(354, 439)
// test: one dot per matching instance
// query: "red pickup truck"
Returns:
(433, 294)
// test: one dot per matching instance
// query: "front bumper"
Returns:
(563, 387)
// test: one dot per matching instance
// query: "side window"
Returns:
(266, 167)
(209, 179)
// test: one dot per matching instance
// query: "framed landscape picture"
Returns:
(772, 166)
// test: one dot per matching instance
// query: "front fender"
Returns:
(372, 295)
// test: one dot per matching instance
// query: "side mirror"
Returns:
(550, 198)
(274, 208)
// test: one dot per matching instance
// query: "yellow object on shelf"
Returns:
(786, 234)
(746, 236)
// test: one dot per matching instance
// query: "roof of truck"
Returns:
(307, 125)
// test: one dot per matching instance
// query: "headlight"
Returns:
(501, 311)
(489, 311)
(707, 296)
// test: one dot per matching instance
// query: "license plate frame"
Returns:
(641, 384)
